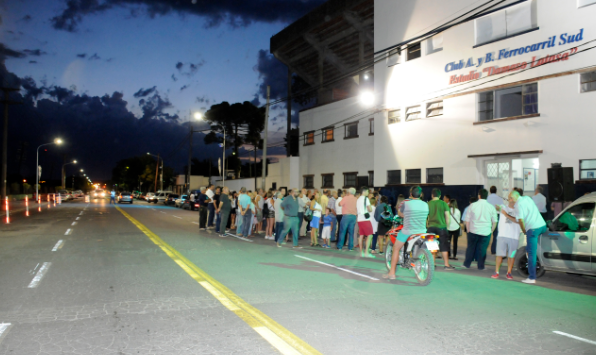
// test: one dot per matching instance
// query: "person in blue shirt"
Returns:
(113, 197)
(326, 235)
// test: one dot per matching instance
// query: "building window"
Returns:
(413, 113)
(309, 138)
(434, 109)
(393, 177)
(328, 134)
(582, 3)
(413, 51)
(393, 57)
(371, 127)
(394, 116)
(327, 180)
(351, 130)
(309, 181)
(350, 179)
(413, 176)
(434, 176)
(509, 102)
(587, 169)
(506, 23)
(371, 178)
(434, 44)
(588, 80)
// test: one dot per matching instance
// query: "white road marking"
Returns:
(4, 327)
(58, 245)
(74, 224)
(40, 274)
(80, 214)
(574, 337)
(78, 218)
(241, 238)
(67, 232)
(177, 217)
(195, 222)
(162, 212)
(337, 267)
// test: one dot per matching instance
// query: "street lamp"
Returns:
(367, 98)
(160, 175)
(56, 141)
(64, 174)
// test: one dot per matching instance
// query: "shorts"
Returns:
(506, 246)
(365, 228)
(326, 232)
(315, 222)
(271, 214)
(402, 237)
(260, 215)
(444, 240)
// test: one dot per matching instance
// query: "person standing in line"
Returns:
(454, 227)
(508, 239)
(216, 206)
(316, 208)
(192, 197)
(365, 228)
(243, 214)
(260, 205)
(223, 210)
(279, 217)
(302, 204)
(331, 207)
(326, 233)
(338, 213)
(540, 201)
(438, 215)
(210, 206)
(324, 201)
(375, 223)
(289, 206)
(481, 221)
(253, 219)
(234, 201)
(202, 201)
(270, 216)
(382, 212)
(348, 220)
(494, 200)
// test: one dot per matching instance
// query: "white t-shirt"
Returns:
(540, 201)
(373, 221)
(508, 228)
(302, 203)
(317, 210)
(210, 194)
(361, 205)
(260, 202)
(526, 209)
(279, 213)
(494, 199)
(338, 206)
(454, 219)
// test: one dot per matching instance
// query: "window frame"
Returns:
(346, 130)
(413, 182)
(389, 182)
(355, 175)
(429, 110)
(324, 134)
(523, 104)
(411, 48)
(308, 138)
(580, 170)
(593, 82)
(389, 118)
(328, 186)
(429, 44)
(419, 112)
(312, 181)
(428, 181)
(533, 15)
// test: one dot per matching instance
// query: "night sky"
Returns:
(117, 78)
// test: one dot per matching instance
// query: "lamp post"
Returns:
(197, 116)
(64, 174)
(57, 141)
(161, 173)
(223, 165)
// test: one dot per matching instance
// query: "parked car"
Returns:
(161, 196)
(171, 199)
(65, 195)
(180, 200)
(569, 243)
(78, 193)
(149, 197)
(189, 205)
(125, 197)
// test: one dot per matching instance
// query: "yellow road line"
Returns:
(278, 336)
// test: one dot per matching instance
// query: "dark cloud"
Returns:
(32, 62)
(233, 12)
(26, 18)
(109, 60)
(6, 52)
(174, 78)
(179, 65)
(144, 92)
(95, 57)
(34, 52)
(153, 108)
(203, 100)
(184, 87)
(189, 69)
(82, 55)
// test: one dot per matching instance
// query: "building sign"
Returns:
(491, 57)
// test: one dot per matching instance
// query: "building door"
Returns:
(362, 181)
(498, 173)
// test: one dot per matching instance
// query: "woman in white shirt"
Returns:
(316, 208)
(454, 227)
(365, 227)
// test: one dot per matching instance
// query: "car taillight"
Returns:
(196, 205)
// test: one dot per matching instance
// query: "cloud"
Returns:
(6, 52)
(232, 12)
(153, 108)
(174, 78)
(179, 65)
(26, 18)
(34, 52)
(144, 92)
(184, 87)
(192, 68)
(203, 99)
(94, 57)
(82, 55)
(32, 62)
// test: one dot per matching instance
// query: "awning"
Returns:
(505, 154)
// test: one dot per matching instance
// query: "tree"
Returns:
(243, 122)
(293, 148)
(129, 172)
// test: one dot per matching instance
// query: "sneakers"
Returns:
(509, 277)
(448, 268)
(326, 246)
(528, 281)
(297, 247)
(496, 275)
(222, 235)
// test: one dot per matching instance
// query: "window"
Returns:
(328, 134)
(434, 109)
(393, 57)
(350, 179)
(506, 22)
(327, 180)
(371, 127)
(413, 176)
(587, 169)
(413, 113)
(351, 130)
(371, 178)
(309, 138)
(577, 218)
(393, 177)
(434, 44)
(309, 181)
(414, 51)
(588, 80)
(434, 176)
(582, 3)
(394, 116)
(509, 102)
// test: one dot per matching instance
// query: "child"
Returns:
(326, 228)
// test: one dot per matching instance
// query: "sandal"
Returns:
(387, 276)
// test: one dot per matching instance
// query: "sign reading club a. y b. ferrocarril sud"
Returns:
(506, 53)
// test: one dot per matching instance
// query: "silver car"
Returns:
(125, 197)
(569, 244)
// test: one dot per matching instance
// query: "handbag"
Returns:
(387, 217)
(366, 214)
(308, 215)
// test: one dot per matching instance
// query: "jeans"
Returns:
(338, 217)
(112, 200)
(290, 223)
(202, 217)
(333, 237)
(223, 218)
(493, 246)
(246, 223)
(454, 236)
(477, 245)
(218, 222)
(373, 246)
(238, 222)
(348, 222)
(279, 227)
(532, 245)
(211, 208)
(300, 220)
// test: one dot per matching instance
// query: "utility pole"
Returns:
(156, 171)
(289, 113)
(189, 154)
(264, 159)
(256, 146)
(6, 102)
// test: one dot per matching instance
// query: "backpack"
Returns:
(308, 214)
(265, 209)
(387, 217)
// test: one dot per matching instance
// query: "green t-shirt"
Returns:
(436, 213)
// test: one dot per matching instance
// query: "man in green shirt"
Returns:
(438, 216)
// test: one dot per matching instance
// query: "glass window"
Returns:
(394, 116)
(485, 106)
(507, 22)
(413, 176)
(393, 177)
(509, 102)
(434, 44)
(414, 51)
(577, 218)
(371, 178)
(434, 109)
(350, 179)
(587, 169)
(413, 113)
(309, 138)
(327, 180)
(393, 57)
(351, 130)
(582, 3)
(434, 176)
(309, 181)
(588, 80)
(327, 134)
(530, 99)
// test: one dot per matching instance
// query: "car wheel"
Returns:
(521, 263)
(131, 202)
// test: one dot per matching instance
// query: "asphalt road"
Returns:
(141, 279)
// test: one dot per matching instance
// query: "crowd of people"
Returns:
(339, 216)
